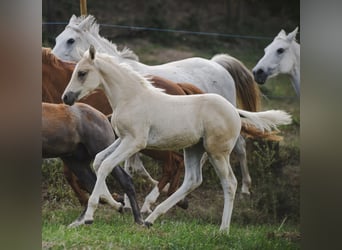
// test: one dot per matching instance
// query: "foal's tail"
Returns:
(247, 91)
(265, 120)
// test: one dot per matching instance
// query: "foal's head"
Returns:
(84, 79)
(279, 57)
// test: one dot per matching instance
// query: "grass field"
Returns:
(112, 230)
(269, 219)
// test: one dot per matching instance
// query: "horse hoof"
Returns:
(88, 222)
(148, 224)
(121, 210)
(183, 204)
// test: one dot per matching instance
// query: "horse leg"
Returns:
(192, 179)
(124, 149)
(81, 169)
(177, 168)
(228, 182)
(72, 180)
(127, 184)
(172, 170)
(240, 149)
(134, 164)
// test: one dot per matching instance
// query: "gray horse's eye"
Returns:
(280, 51)
(70, 41)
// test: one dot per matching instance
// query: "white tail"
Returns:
(265, 120)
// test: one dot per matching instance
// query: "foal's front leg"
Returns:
(125, 148)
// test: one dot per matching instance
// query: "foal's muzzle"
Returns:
(70, 97)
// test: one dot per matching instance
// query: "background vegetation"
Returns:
(269, 218)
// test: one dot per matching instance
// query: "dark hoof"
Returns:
(148, 224)
(121, 210)
(183, 204)
(88, 222)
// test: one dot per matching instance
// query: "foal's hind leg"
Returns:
(240, 149)
(228, 183)
(192, 179)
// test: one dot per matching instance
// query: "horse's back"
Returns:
(205, 74)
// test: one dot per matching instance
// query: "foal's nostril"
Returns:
(65, 98)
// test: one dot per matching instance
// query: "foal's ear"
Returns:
(92, 52)
(291, 36)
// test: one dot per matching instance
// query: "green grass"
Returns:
(112, 230)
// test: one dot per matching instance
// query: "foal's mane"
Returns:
(89, 24)
(145, 81)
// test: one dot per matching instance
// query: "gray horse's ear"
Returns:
(86, 23)
(291, 36)
(281, 34)
(92, 52)
(72, 19)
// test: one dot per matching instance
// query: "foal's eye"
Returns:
(280, 51)
(81, 74)
(70, 41)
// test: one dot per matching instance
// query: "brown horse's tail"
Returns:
(247, 91)
(190, 89)
(254, 133)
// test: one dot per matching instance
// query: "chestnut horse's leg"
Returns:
(81, 168)
(81, 194)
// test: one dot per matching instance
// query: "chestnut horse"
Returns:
(76, 134)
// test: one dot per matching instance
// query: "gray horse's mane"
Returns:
(89, 24)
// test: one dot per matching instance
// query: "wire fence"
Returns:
(187, 32)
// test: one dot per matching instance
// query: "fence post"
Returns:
(83, 7)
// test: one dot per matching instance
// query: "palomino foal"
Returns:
(204, 126)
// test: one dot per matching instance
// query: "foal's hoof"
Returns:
(147, 224)
(88, 222)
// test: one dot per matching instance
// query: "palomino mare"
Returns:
(223, 74)
(282, 56)
(204, 126)
(76, 134)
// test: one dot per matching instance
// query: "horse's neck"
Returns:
(119, 84)
(295, 72)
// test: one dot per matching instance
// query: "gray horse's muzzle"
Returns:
(260, 76)
(70, 97)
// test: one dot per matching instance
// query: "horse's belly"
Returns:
(172, 140)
